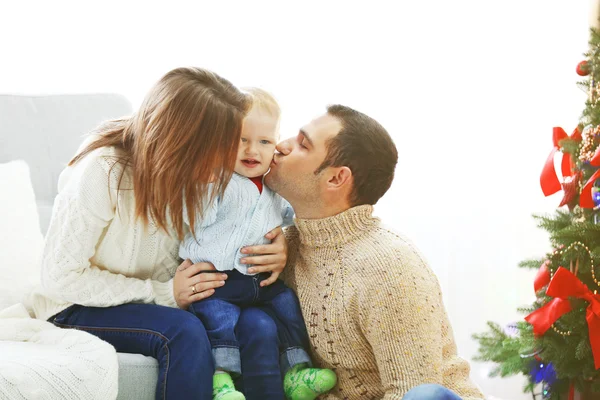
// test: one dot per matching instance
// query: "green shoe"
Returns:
(223, 388)
(301, 383)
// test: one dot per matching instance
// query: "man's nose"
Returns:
(284, 147)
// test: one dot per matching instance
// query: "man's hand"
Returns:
(270, 257)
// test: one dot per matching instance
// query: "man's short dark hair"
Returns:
(364, 146)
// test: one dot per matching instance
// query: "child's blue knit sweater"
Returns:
(241, 217)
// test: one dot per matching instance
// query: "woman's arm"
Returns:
(84, 207)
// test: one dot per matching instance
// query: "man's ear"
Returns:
(341, 177)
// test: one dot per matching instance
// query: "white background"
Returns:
(469, 90)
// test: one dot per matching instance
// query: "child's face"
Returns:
(257, 145)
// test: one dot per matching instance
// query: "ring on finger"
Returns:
(193, 287)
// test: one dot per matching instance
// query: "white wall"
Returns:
(469, 89)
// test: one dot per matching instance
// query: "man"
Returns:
(372, 306)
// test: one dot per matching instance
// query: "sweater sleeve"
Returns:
(401, 320)
(405, 322)
(288, 273)
(84, 207)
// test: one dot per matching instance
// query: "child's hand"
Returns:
(271, 257)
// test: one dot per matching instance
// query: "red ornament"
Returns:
(570, 188)
(583, 68)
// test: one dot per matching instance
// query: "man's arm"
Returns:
(401, 319)
(287, 276)
(404, 319)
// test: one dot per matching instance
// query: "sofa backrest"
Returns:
(45, 131)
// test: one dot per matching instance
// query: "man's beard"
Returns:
(303, 193)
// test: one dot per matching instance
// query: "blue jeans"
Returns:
(261, 376)
(430, 392)
(178, 340)
(220, 314)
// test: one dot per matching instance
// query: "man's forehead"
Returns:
(323, 127)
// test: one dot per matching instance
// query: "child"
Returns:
(241, 217)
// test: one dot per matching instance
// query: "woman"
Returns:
(110, 264)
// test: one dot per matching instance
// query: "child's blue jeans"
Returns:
(220, 312)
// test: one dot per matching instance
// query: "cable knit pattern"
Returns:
(242, 217)
(373, 308)
(41, 361)
(97, 254)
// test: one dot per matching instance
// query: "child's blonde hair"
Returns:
(263, 100)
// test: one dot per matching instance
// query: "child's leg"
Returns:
(220, 318)
(301, 382)
(259, 347)
(220, 313)
(284, 307)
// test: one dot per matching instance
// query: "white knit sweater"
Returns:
(97, 254)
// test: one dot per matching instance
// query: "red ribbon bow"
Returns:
(565, 284)
(542, 278)
(548, 179)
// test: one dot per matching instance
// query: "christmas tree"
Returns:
(557, 345)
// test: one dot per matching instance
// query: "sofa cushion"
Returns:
(137, 377)
(21, 241)
(45, 131)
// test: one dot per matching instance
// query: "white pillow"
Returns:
(21, 240)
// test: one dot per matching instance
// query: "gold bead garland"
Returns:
(562, 333)
(588, 137)
(574, 271)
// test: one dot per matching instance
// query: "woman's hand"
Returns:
(270, 257)
(190, 285)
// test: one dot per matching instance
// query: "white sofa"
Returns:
(45, 131)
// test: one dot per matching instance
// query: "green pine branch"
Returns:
(534, 263)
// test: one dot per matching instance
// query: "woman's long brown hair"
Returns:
(184, 137)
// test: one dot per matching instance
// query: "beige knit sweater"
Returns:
(373, 309)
